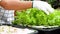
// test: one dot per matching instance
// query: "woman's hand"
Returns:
(21, 5)
(43, 6)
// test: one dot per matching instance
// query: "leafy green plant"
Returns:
(31, 16)
(51, 1)
(54, 18)
(54, 3)
(36, 17)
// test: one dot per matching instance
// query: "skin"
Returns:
(23, 5)
(15, 4)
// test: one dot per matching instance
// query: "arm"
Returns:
(21, 5)
(15, 4)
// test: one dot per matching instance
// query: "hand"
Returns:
(43, 6)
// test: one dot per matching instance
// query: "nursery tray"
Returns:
(54, 30)
(47, 30)
(21, 27)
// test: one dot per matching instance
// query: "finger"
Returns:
(49, 8)
(46, 11)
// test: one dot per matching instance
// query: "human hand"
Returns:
(43, 6)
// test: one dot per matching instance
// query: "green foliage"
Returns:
(51, 1)
(35, 17)
(54, 18)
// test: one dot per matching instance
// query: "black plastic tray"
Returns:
(55, 30)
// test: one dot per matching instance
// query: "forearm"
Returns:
(21, 5)
(16, 5)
